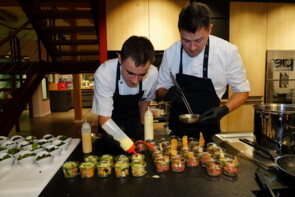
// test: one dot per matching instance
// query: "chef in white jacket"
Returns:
(124, 87)
(203, 65)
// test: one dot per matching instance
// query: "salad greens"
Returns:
(43, 156)
(26, 155)
(5, 157)
(63, 137)
(2, 148)
(13, 151)
(51, 149)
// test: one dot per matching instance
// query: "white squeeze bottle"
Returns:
(86, 137)
(125, 142)
(148, 125)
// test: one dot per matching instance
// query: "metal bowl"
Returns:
(189, 118)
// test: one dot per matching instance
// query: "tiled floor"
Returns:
(60, 123)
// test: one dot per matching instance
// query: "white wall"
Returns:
(40, 107)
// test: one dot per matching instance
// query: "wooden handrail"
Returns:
(7, 38)
(12, 111)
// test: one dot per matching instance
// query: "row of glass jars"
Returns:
(191, 155)
(104, 166)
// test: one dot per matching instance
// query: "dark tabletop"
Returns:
(191, 182)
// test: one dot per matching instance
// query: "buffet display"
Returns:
(168, 154)
(27, 164)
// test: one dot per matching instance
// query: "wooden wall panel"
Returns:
(163, 19)
(248, 23)
(281, 26)
(242, 119)
(124, 19)
(224, 124)
(155, 19)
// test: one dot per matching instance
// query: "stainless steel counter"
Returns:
(232, 140)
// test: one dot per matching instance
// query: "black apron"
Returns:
(126, 111)
(201, 96)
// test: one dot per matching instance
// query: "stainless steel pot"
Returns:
(274, 126)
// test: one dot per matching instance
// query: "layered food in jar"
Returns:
(230, 168)
(192, 159)
(104, 168)
(162, 164)
(214, 168)
(70, 169)
(92, 158)
(177, 164)
(121, 169)
(87, 169)
(138, 168)
(205, 156)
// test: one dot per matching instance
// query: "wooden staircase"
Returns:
(68, 30)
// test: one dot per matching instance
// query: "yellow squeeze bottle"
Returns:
(86, 138)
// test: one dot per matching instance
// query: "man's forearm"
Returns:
(161, 93)
(102, 119)
(236, 100)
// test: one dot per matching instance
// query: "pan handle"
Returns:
(270, 152)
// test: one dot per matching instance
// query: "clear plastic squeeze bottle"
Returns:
(148, 125)
(125, 142)
(86, 137)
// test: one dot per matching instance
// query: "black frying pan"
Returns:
(285, 164)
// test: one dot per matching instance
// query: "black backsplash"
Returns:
(219, 17)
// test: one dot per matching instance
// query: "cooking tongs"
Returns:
(182, 94)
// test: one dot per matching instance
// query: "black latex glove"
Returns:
(110, 141)
(213, 115)
(174, 95)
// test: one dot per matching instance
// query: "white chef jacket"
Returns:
(104, 87)
(225, 66)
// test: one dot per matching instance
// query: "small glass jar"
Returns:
(122, 158)
(152, 142)
(210, 146)
(192, 159)
(184, 150)
(121, 169)
(214, 168)
(204, 156)
(87, 169)
(104, 168)
(92, 158)
(217, 151)
(162, 139)
(107, 157)
(198, 150)
(152, 150)
(138, 168)
(224, 157)
(140, 146)
(165, 143)
(167, 150)
(177, 164)
(137, 157)
(162, 164)
(193, 143)
(230, 168)
(70, 169)
(157, 153)
(179, 143)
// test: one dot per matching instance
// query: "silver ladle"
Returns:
(185, 118)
